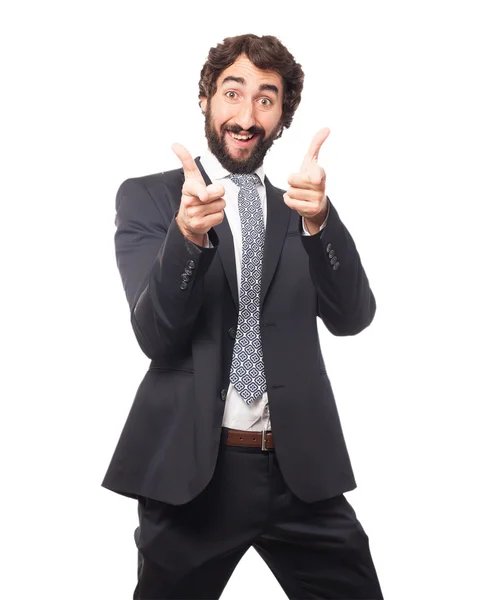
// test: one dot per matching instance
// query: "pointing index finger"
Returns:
(189, 166)
(313, 151)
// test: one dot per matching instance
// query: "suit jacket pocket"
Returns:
(179, 363)
(170, 369)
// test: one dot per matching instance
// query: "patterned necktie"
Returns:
(247, 368)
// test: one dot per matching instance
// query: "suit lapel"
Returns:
(276, 226)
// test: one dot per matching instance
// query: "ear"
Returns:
(203, 104)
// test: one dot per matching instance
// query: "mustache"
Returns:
(237, 129)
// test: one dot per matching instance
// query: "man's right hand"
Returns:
(202, 206)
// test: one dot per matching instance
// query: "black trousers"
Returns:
(317, 550)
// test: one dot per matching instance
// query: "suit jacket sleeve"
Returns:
(162, 272)
(346, 303)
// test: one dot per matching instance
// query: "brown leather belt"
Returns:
(249, 439)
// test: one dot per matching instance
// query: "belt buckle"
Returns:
(263, 441)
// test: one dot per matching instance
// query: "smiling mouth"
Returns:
(243, 139)
(238, 136)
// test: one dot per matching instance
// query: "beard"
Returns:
(217, 145)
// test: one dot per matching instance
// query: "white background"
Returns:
(94, 93)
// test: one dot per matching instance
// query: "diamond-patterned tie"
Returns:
(247, 368)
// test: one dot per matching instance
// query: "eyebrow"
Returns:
(262, 88)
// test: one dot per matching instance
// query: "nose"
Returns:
(245, 116)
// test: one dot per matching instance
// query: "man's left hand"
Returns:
(307, 194)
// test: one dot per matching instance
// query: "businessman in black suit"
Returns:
(234, 439)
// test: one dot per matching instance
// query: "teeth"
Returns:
(241, 137)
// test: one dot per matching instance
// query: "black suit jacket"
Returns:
(169, 444)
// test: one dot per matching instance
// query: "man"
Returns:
(234, 439)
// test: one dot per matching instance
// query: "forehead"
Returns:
(254, 77)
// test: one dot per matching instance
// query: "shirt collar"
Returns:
(215, 169)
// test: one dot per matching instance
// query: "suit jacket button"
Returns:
(328, 247)
(183, 285)
(336, 266)
(334, 259)
(190, 264)
(185, 277)
(232, 332)
(331, 254)
(224, 392)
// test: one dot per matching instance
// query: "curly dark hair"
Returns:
(266, 53)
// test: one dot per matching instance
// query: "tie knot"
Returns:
(246, 180)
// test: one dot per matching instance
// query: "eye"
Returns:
(231, 94)
(265, 102)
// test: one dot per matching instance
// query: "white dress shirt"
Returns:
(238, 414)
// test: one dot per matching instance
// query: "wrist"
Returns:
(197, 238)
(314, 224)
